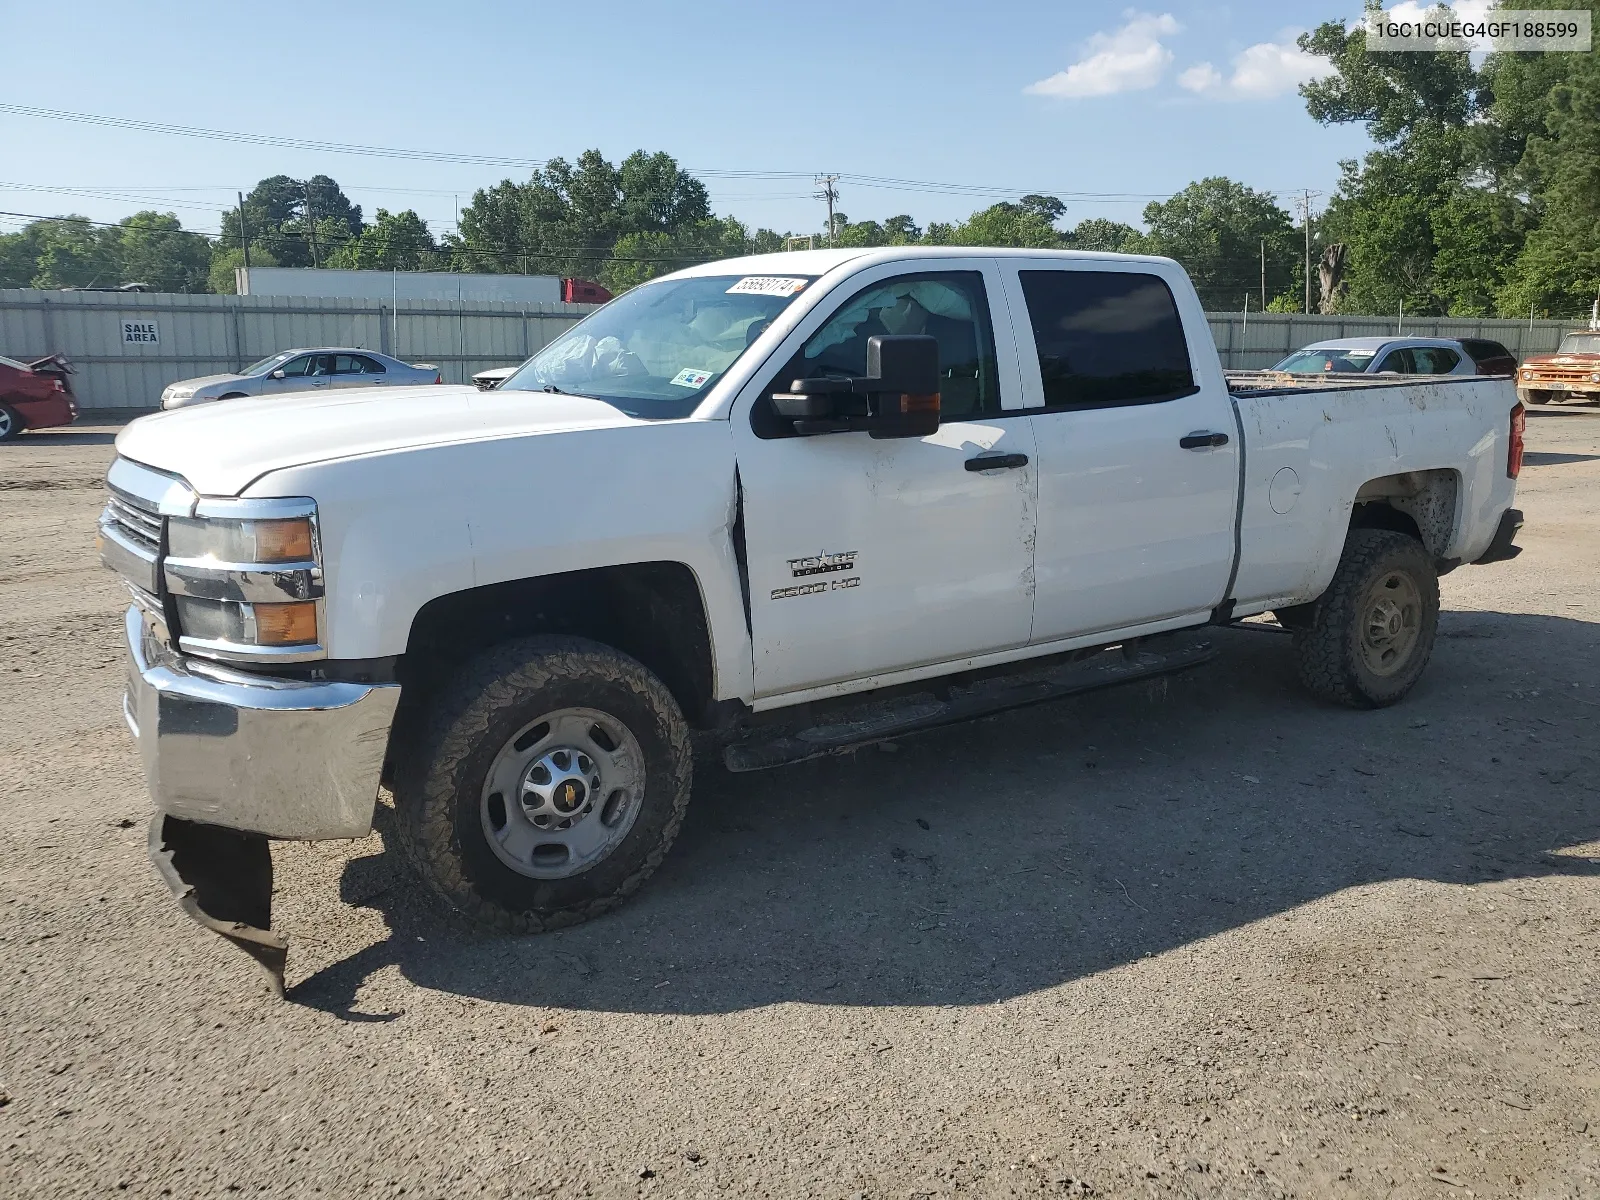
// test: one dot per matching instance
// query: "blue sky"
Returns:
(1124, 103)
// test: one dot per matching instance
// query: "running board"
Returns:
(915, 713)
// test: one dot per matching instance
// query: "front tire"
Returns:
(1530, 396)
(547, 783)
(1368, 638)
(11, 426)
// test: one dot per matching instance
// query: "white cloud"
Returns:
(1260, 72)
(1201, 78)
(1128, 59)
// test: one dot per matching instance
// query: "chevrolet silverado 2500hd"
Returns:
(803, 500)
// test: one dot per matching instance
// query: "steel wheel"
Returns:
(1391, 618)
(9, 425)
(562, 793)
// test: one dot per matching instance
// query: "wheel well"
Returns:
(1419, 504)
(652, 611)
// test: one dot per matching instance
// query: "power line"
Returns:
(493, 160)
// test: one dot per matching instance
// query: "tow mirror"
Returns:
(897, 398)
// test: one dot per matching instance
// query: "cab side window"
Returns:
(1435, 360)
(355, 364)
(950, 306)
(1400, 361)
(297, 367)
(1106, 338)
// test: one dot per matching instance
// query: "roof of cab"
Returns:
(1375, 343)
(820, 262)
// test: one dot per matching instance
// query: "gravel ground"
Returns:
(1209, 938)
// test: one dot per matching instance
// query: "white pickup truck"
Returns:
(798, 501)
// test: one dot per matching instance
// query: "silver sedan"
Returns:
(301, 371)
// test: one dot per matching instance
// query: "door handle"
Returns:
(996, 462)
(1203, 440)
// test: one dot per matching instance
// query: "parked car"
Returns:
(1402, 356)
(758, 498)
(487, 381)
(35, 395)
(301, 371)
(1571, 373)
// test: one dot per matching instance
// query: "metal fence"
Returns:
(126, 347)
(1261, 339)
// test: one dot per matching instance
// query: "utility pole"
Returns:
(1306, 209)
(831, 194)
(244, 234)
(1263, 274)
(311, 222)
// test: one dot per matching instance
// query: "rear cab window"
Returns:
(1106, 338)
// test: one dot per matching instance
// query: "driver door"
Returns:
(870, 557)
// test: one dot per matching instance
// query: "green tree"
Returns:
(1558, 268)
(224, 261)
(1216, 229)
(393, 242)
(298, 222)
(72, 252)
(154, 248)
(1099, 233)
(568, 218)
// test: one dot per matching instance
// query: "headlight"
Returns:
(246, 577)
(288, 539)
(1595, 377)
(1527, 374)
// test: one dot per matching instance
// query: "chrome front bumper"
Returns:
(279, 757)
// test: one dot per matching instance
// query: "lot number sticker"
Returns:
(141, 333)
(766, 285)
(691, 379)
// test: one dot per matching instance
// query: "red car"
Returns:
(35, 395)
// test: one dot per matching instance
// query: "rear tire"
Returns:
(11, 425)
(545, 784)
(1368, 638)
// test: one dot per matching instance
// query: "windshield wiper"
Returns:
(552, 389)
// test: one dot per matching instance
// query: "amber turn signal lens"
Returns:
(286, 624)
(919, 402)
(283, 541)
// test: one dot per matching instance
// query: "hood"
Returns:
(194, 385)
(1569, 359)
(222, 448)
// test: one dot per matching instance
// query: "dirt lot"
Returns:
(1207, 939)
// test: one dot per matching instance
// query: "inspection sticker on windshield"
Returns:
(690, 378)
(766, 285)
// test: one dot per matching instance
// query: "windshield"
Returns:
(1312, 362)
(654, 351)
(268, 363)
(1580, 343)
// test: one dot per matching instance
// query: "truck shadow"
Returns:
(986, 861)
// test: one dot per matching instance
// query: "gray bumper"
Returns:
(278, 757)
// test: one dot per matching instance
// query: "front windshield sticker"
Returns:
(690, 378)
(766, 285)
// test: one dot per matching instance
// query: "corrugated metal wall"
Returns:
(207, 335)
(1265, 338)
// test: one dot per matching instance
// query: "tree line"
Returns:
(1481, 197)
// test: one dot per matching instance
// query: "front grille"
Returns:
(139, 525)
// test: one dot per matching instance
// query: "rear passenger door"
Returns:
(1138, 454)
